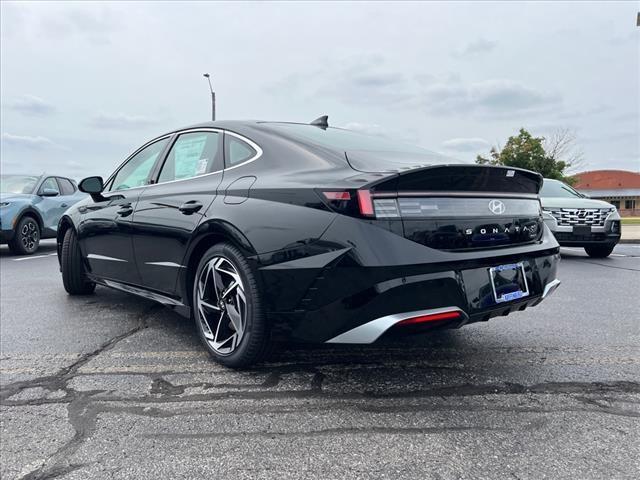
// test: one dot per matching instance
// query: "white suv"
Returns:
(579, 221)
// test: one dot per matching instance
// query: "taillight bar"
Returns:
(434, 317)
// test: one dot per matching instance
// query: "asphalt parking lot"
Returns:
(114, 386)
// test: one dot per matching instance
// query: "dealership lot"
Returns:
(111, 385)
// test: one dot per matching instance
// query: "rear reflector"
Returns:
(434, 317)
(337, 195)
(365, 203)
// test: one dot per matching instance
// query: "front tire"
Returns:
(227, 308)
(27, 237)
(74, 275)
(599, 251)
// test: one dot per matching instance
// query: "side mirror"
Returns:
(93, 186)
(49, 192)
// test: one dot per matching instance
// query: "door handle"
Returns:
(125, 210)
(64, 205)
(192, 206)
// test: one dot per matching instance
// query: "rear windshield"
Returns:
(555, 188)
(369, 153)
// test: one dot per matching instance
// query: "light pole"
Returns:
(213, 98)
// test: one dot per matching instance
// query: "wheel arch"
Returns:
(64, 225)
(207, 235)
(29, 211)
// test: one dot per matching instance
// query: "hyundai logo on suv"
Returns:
(497, 207)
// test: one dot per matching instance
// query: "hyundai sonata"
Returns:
(266, 231)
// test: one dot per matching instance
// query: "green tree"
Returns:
(527, 151)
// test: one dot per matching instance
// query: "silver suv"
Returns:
(579, 221)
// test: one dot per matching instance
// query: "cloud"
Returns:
(31, 105)
(365, 82)
(29, 143)
(497, 97)
(368, 128)
(95, 24)
(122, 121)
(369, 82)
(475, 48)
(466, 144)
(377, 80)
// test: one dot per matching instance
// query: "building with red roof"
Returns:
(618, 187)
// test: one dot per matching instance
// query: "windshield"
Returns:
(18, 183)
(365, 152)
(555, 188)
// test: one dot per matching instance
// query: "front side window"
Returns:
(136, 171)
(237, 151)
(50, 184)
(192, 154)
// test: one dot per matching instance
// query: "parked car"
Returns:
(31, 206)
(266, 231)
(579, 221)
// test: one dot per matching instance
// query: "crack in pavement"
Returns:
(79, 403)
(84, 407)
(327, 432)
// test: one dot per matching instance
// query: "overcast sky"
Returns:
(83, 84)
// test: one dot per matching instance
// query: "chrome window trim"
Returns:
(253, 145)
(157, 139)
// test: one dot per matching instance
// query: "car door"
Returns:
(104, 231)
(169, 211)
(67, 196)
(50, 207)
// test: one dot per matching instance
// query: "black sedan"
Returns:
(267, 231)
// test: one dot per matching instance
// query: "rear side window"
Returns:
(237, 151)
(192, 154)
(66, 187)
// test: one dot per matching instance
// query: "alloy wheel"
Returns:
(29, 235)
(221, 305)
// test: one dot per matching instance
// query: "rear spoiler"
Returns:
(461, 178)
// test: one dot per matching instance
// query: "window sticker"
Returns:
(202, 166)
(187, 155)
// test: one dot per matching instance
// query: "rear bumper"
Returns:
(374, 281)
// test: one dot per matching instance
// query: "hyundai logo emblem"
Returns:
(497, 207)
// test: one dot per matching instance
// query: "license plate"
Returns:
(509, 282)
(582, 229)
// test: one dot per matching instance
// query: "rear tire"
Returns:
(599, 251)
(228, 309)
(74, 275)
(26, 239)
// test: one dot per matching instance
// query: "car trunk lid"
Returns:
(461, 207)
